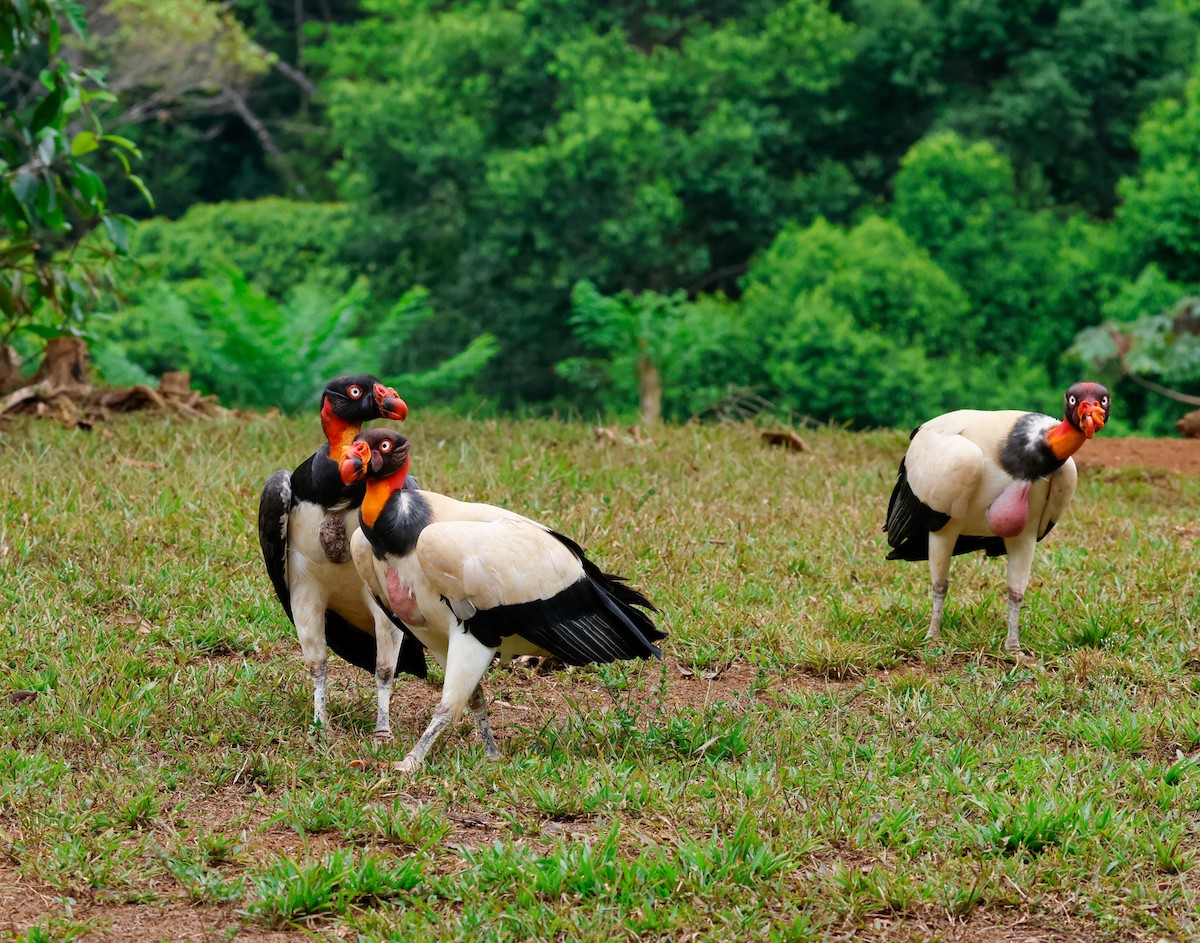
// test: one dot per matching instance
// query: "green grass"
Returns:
(802, 766)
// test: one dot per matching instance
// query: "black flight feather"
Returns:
(910, 521)
(581, 625)
(273, 508)
(592, 620)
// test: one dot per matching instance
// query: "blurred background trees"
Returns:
(863, 211)
(51, 195)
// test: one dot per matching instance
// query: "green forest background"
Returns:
(860, 212)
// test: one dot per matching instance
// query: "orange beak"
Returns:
(391, 406)
(355, 460)
(1091, 418)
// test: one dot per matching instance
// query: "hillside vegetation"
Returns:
(799, 767)
(865, 211)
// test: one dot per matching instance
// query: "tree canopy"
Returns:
(918, 196)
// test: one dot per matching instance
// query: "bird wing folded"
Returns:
(274, 506)
(495, 563)
(944, 468)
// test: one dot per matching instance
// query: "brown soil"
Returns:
(1175, 455)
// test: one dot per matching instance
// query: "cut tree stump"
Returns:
(64, 365)
(58, 392)
(1189, 425)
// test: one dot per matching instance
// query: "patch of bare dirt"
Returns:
(1175, 455)
(24, 904)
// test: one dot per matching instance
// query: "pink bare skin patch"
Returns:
(1009, 513)
(402, 601)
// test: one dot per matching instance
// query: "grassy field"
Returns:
(799, 767)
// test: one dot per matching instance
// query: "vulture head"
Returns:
(1086, 407)
(357, 399)
(376, 453)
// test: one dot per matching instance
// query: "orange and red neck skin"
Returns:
(379, 492)
(1080, 424)
(339, 432)
(1065, 440)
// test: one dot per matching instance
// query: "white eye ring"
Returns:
(354, 392)
(385, 446)
(1103, 400)
(1072, 400)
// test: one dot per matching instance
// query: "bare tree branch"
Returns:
(242, 109)
(1163, 390)
(297, 76)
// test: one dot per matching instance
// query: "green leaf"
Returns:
(22, 10)
(44, 331)
(48, 148)
(120, 142)
(117, 232)
(49, 110)
(84, 143)
(91, 189)
(25, 188)
(141, 188)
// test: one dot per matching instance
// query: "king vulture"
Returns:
(305, 521)
(991, 481)
(472, 581)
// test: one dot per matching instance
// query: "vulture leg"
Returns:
(1020, 565)
(467, 659)
(941, 549)
(478, 705)
(388, 640)
(308, 610)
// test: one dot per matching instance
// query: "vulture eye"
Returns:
(1072, 400)
(385, 446)
(354, 392)
(1103, 400)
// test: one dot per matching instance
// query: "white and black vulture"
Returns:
(306, 519)
(473, 581)
(995, 481)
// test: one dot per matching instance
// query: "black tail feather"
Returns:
(910, 521)
(616, 587)
(592, 620)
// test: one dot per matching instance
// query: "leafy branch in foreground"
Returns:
(50, 196)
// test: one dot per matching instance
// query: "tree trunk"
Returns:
(649, 391)
(64, 366)
(10, 369)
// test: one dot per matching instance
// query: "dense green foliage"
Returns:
(954, 191)
(802, 766)
(51, 195)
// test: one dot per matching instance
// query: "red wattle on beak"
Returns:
(1091, 418)
(391, 406)
(351, 469)
(355, 460)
